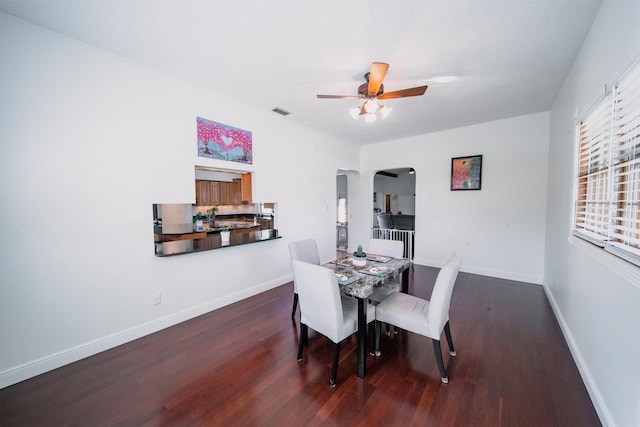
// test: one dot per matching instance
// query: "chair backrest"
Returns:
(392, 248)
(404, 222)
(303, 250)
(440, 301)
(320, 303)
(385, 220)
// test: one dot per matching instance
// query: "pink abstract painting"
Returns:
(223, 142)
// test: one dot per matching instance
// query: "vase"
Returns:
(224, 236)
(359, 261)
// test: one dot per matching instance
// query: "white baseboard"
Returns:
(36, 367)
(598, 402)
(500, 274)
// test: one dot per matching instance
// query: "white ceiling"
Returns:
(511, 56)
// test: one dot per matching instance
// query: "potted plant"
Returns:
(198, 221)
(211, 214)
(225, 233)
(359, 258)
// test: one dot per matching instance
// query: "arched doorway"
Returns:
(346, 179)
(342, 224)
(394, 206)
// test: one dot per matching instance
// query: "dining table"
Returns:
(359, 281)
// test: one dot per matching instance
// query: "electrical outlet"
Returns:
(156, 299)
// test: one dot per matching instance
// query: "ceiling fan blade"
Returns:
(376, 75)
(339, 96)
(362, 110)
(414, 91)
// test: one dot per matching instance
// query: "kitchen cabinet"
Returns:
(235, 194)
(214, 192)
(245, 188)
(203, 195)
(224, 197)
(224, 193)
(207, 192)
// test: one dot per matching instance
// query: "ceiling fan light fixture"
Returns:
(369, 110)
(384, 111)
(373, 90)
(371, 106)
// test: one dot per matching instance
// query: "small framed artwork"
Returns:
(466, 173)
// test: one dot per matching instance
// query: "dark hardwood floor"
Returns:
(237, 366)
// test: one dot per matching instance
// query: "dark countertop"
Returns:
(213, 241)
(189, 228)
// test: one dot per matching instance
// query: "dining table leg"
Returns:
(362, 337)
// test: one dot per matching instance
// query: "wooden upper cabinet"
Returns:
(207, 192)
(203, 194)
(214, 192)
(223, 192)
(235, 192)
(245, 184)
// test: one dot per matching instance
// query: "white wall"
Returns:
(89, 141)
(595, 295)
(499, 230)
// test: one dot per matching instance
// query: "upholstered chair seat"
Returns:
(323, 310)
(424, 317)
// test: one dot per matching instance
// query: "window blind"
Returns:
(592, 201)
(625, 211)
(607, 195)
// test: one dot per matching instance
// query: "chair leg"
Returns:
(372, 341)
(447, 333)
(438, 352)
(302, 341)
(334, 368)
(295, 305)
(305, 339)
(388, 331)
(377, 337)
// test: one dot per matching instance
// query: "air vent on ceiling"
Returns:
(280, 111)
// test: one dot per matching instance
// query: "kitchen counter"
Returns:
(219, 224)
(212, 241)
(189, 228)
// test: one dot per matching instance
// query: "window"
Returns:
(607, 196)
(342, 210)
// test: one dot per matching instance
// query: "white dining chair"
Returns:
(302, 250)
(394, 249)
(323, 310)
(425, 317)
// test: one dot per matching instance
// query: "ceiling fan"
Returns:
(373, 90)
